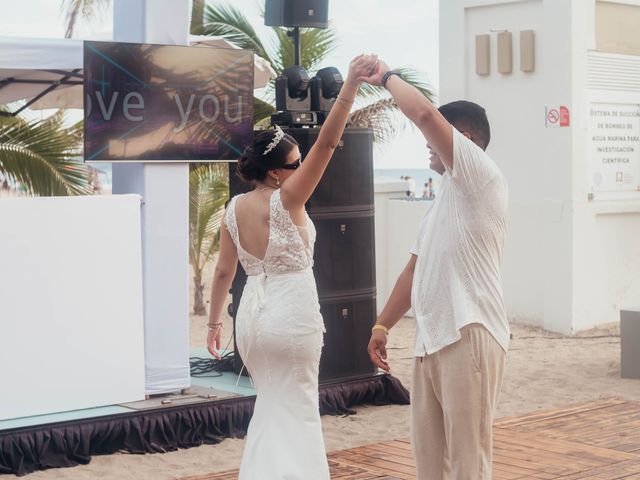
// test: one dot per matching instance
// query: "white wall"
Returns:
(569, 263)
(607, 228)
(608, 279)
(396, 228)
(71, 317)
(384, 188)
(404, 221)
(535, 160)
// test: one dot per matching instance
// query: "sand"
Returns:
(544, 370)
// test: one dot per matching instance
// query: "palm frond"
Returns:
(413, 77)
(261, 110)
(208, 193)
(211, 246)
(418, 80)
(380, 112)
(38, 154)
(381, 117)
(229, 22)
(87, 9)
(315, 45)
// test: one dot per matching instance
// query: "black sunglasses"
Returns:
(292, 166)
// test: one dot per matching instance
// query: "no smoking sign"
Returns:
(557, 116)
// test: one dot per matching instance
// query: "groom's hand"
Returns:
(378, 350)
(375, 78)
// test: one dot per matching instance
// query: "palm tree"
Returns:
(87, 9)
(37, 154)
(208, 193)
(94, 9)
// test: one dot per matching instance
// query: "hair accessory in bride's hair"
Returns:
(276, 139)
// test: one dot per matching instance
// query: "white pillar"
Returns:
(165, 213)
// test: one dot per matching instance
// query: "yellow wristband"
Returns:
(377, 326)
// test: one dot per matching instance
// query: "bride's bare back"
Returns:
(252, 217)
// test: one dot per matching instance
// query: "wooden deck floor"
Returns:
(593, 441)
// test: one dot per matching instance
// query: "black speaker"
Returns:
(348, 325)
(344, 260)
(347, 183)
(297, 13)
(344, 257)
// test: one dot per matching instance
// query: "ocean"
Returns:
(420, 175)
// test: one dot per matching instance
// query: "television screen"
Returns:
(166, 103)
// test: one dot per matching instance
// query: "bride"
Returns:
(279, 328)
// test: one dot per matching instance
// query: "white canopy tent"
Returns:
(48, 72)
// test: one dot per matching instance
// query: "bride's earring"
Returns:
(278, 181)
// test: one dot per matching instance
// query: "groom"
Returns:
(453, 282)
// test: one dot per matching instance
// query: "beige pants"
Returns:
(453, 399)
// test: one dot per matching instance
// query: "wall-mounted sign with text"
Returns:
(166, 103)
(614, 147)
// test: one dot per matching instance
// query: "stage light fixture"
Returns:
(293, 100)
(292, 90)
(325, 87)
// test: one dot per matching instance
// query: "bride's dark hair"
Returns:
(253, 164)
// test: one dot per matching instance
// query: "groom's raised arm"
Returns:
(417, 108)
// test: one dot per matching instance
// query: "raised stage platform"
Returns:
(216, 407)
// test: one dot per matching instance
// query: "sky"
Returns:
(404, 33)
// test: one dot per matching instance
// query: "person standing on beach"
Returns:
(453, 282)
(412, 186)
(429, 189)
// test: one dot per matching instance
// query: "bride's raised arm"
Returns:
(303, 182)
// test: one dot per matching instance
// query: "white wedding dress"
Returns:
(279, 333)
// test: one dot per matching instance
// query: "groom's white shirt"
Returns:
(457, 278)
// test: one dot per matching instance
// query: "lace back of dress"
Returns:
(290, 247)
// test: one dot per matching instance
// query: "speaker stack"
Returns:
(297, 13)
(342, 211)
